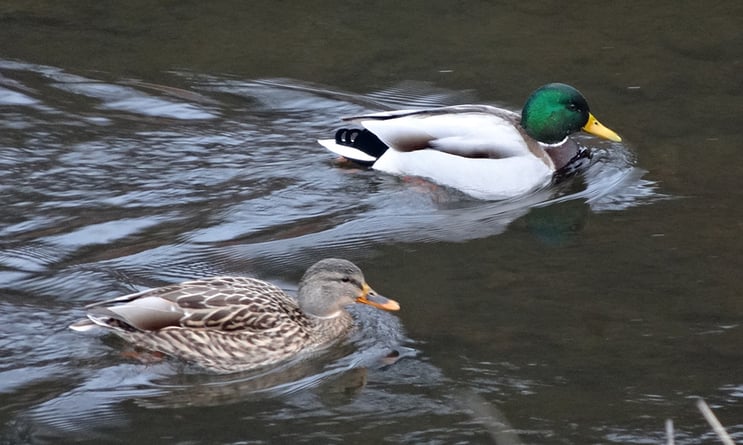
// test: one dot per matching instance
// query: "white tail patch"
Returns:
(351, 153)
(83, 326)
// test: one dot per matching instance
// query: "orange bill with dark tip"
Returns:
(370, 297)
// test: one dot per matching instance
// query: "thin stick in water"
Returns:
(669, 432)
(714, 423)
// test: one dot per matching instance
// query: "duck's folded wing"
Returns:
(473, 131)
(144, 314)
(219, 303)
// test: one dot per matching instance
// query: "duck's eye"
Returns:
(346, 279)
(572, 106)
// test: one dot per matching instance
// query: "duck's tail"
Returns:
(357, 145)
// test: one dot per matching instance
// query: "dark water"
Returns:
(145, 143)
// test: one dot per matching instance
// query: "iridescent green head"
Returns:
(556, 110)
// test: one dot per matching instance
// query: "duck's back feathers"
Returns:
(452, 109)
(472, 131)
(227, 304)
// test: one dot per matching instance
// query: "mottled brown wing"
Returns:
(234, 304)
(220, 303)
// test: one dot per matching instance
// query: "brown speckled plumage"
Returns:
(235, 323)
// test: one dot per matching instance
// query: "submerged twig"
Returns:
(669, 432)
(490, 417)
(714, 423)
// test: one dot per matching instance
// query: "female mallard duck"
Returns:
(232, 324)
(486, 152)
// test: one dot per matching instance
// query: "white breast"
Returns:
(480, 178)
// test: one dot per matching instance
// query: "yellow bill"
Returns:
(597, 129)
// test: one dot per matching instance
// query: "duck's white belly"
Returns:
(480, 178)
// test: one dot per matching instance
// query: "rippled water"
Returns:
(586, 313)
(142, 184)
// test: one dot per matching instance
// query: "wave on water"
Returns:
(114, 185)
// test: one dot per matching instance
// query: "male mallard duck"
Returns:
(486, 152)
(232, 324)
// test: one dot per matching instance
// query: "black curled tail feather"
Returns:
(361, 139)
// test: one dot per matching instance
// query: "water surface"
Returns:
(146, 144)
